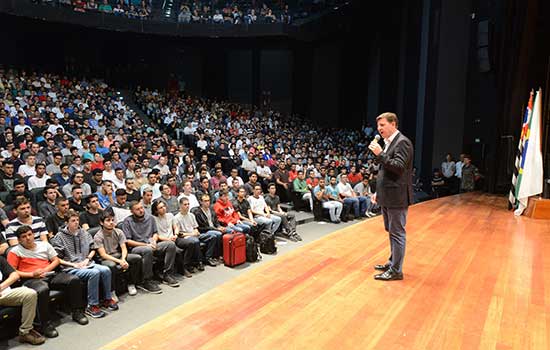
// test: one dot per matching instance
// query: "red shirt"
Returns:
(292, 174)
(312, 182)
(26, 260)
(97, 165)
(226, 213)
(355, 178)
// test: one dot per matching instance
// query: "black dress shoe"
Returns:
(49, 331)
(384, 267)
(186, 273)
(79, 317)
(200, 267)
(389, 275)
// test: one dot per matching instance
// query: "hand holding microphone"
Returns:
(374, 146)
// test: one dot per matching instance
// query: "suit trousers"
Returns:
(395, 220)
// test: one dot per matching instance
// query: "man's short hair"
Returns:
(22, 229)
(60, 199)
(97, 171)
(133, 204)
(71, 214)
(21, 201)
(147, 189)
(184, 199)
(120, 192)
(90, 197)
(390, 117)
(106, 214)
(271, 184)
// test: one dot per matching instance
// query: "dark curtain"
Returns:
(520, 54)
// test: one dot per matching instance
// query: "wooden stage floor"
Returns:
(476, 277)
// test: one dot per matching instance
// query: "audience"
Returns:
(152, 193)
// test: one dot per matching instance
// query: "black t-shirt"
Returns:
(5, 268)
(76, 206)
(134, 196)
(241, 207)
(272, 202)
(91, 219)
(54, 222)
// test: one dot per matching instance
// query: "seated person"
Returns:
(362, 189)
(24, 217)
(252, 181)
(288, 221)
(188, 193)
(302, 189)
(74, 248)
(208, 224)
(187, 227)
(330, 202)
(142, 239)
(21, 296)
(242, 207)
(47, 207)
(110, 243)
(19, 189)
(261, 211)
(76, 202)
(105, 194)
(223, 187)
(357, 203)
(35, 262)
(56, 220)
(172, 204)
(188, 246)
(90, 218)
(228, 216)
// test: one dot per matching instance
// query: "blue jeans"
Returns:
(93, 276)
(272, 223)
(359, 205)
(213, 241)
(242, 227)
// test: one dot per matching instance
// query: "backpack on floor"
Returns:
(267, 242)
(252, 249)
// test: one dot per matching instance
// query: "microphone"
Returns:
(376, 139)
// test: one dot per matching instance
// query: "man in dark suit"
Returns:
(394, 191)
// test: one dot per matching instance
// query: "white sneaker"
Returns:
(370, 214)
(114, 296)
(132, 289)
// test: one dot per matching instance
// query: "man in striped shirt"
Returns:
(23, 210)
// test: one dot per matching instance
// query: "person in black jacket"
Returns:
(394, 191)
(209, 226)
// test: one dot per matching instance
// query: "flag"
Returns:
(531, 173)
(512, 199)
